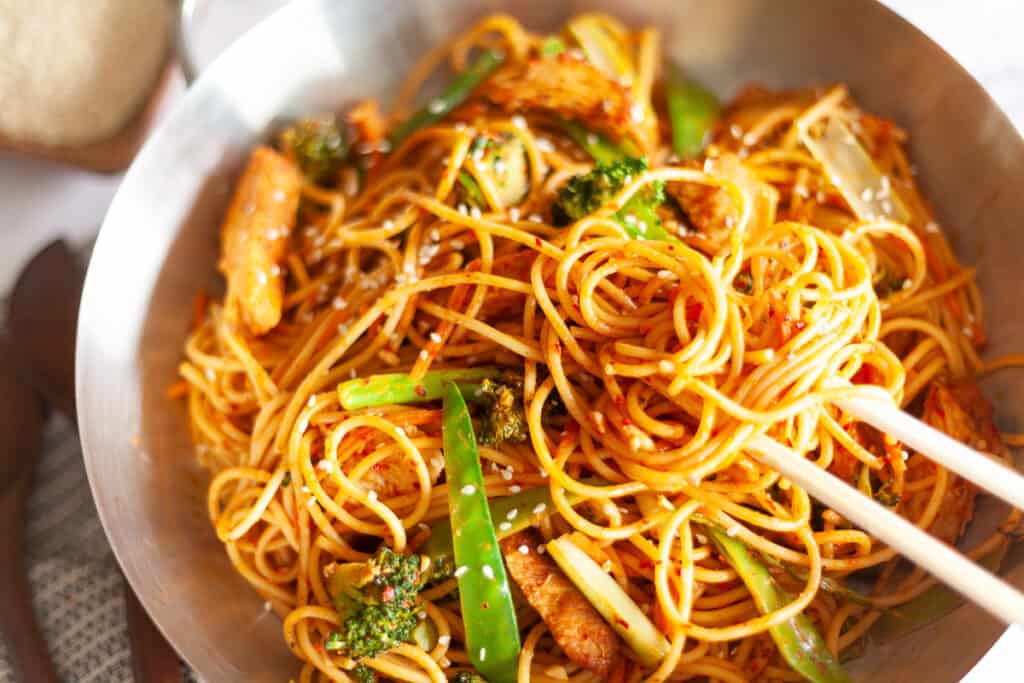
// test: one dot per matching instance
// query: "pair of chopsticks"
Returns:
(942, 561)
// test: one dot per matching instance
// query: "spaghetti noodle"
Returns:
(645, 364)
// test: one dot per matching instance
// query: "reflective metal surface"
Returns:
(159, 241)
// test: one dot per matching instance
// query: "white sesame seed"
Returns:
(435, 337)
(424, 355)
(630, 219)
(544, 145)
(371, 496)
(421, 615)
(536, 218)
(399, 431)
(312, 401)
(592, 139)
(867, 195)
(523, 550)
(515, 488)
(468, 490)
(665, 274)
(512, 514)
(444, 640)
(504, 526)
(636, 112)
(460, 126)
(606, 565)
(931, 226)
(267, 606)
(325, 465)
(483, 653)
(475, 213)
(436, 106)
(488, 571)
(539, 508)
(513, 214)
(461, 208)
(666, 366)
(460, 571)
(541, 550)
(210, 374)
(735, 131)
(304, 489)
(275, 270)
(519, 122)
(457, 245)
(733, 530)
(352, 373)
(506, 474)
(544, 474)
(499, 167)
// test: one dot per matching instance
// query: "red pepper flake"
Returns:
(622, 622)
(536, 241)
(420, 390)
(388, 594)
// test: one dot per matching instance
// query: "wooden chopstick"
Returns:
(942, 561)
(984, 470)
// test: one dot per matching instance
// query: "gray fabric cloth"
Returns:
(77, 587)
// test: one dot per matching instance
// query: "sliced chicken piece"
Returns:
(961, 411)
(254, 238)
(572, 89)
(575, 625)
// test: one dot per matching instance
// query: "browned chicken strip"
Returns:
(963, 412)
(572, 89)
(575, 625)
(254, 237)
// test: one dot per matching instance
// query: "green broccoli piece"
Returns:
(317, 145)
(504, 418)
(377, 602)
(364, 674)
(467, 677)
(585, 194)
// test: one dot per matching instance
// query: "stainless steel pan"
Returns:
(159, 240)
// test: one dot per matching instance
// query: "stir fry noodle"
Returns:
(477, 397)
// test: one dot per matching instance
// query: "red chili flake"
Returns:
(693, 311)
(626, 422)
(646, 564)
(389, 594)
(420, 390)
(622, 622)
(536, 240)
(557, 347)
(485, 605)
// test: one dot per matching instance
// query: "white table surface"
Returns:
(40, 201)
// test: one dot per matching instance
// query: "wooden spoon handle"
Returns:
(153, 660)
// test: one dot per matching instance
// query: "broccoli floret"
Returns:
(585, 194)
(377, 602)
(504, 418)
(317, 145)
(364, 674)
(467, 677)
